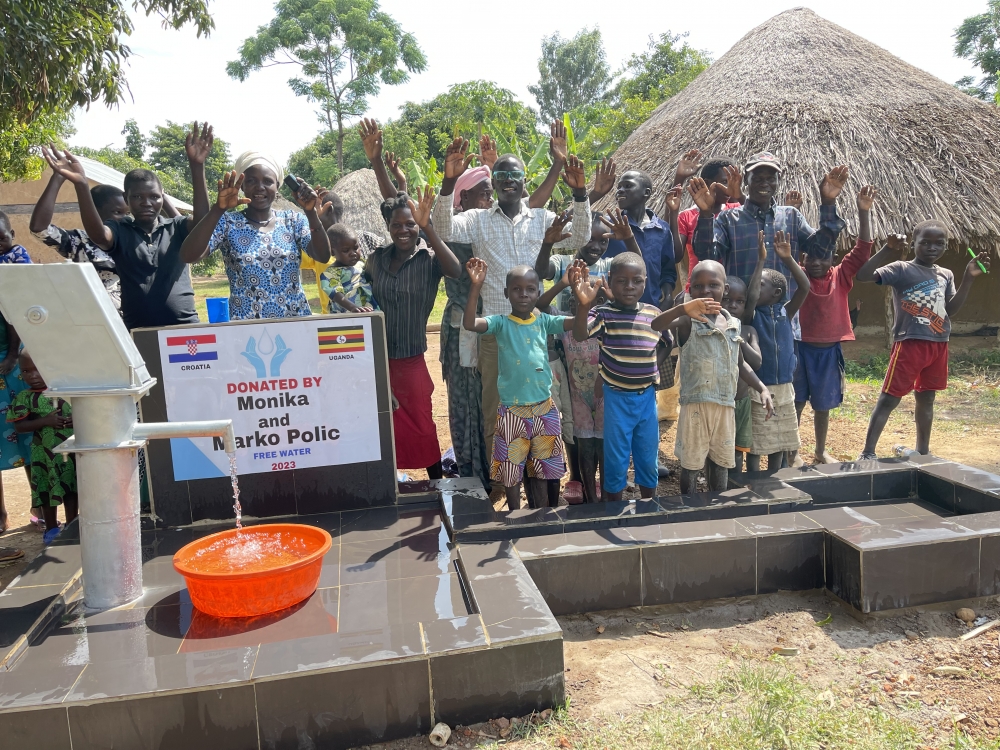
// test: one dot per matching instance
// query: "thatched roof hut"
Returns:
(818, 95)
(362, 198)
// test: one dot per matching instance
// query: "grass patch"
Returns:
(755, 707)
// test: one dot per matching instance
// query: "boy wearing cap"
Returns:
(731, 237)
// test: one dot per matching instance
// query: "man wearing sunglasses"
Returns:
(507, 235)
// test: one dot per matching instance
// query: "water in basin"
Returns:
(250, 553)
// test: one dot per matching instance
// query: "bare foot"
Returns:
(798, 462)
(826, 458)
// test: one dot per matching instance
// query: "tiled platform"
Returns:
(441, 609)
(391, 641)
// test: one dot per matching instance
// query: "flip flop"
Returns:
(9, 554)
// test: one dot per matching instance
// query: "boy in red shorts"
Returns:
(925, 298)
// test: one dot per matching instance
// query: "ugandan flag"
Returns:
(350, 338)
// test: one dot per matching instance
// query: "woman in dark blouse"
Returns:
(404, 277)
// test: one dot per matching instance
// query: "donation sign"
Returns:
(300, 393)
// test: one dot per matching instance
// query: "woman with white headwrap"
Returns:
(261, 247)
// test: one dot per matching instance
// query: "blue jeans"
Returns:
(630, 429)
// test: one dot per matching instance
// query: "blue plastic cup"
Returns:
(218, 309)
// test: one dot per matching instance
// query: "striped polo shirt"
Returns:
(628, 345)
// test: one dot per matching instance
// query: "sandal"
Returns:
(9, 554)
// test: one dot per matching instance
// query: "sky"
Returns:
(173, 75)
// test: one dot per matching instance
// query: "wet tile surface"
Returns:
(45, 728)
(903, 532)
(609, 579)
(911, 576)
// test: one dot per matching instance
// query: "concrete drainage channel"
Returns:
(440, 609)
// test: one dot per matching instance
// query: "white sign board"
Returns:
(300, 393)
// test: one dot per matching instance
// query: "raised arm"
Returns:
(586, 291)
(687, 167)
(558, 156)
(895, 249)
(69, 168)
(198, 145)
(679, 317)
(783, 249)
(617, 222)
(456, 161)
(396, 170)
(753, 286)
(550, 294)
(576, 179)
(710, 241)
(319, 242)
(823, 241)
(476, 268)
(371, 140)
(421, 211)
(487, 151)
(195, 245)
(972, 270)
(41, 214)
(544, 266)
(605, 176)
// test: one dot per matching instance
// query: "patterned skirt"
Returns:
(528, 438)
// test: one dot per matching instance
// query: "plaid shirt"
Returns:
(735, 230)
(505, 243)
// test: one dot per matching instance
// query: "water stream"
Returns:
(236, 491)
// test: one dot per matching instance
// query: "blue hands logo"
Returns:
(276, 349)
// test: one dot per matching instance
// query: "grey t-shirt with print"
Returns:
(920, 295)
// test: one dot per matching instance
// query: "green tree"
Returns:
(663, 70)
(572, 73)
(344, 49)
(56, 56)
(135, 143)
(976, 40)
(119, 159)
(167, 154)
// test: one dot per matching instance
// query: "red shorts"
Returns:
(916, 365)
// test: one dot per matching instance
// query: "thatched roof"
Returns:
(362, 198)
(818, 95)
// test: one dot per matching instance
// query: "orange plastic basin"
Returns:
(257, 570)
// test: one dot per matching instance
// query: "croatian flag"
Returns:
(192, 348)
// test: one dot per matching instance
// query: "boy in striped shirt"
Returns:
(628, 369)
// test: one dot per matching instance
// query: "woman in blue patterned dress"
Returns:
(261, 247)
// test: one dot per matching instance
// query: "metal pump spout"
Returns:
(214, 428)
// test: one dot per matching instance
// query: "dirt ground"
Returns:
(622, 662)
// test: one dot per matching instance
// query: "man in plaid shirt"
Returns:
(507, 235)
(731, 237)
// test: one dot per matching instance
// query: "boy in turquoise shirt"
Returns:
(528, 435)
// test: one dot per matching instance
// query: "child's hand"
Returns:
(701, 194)
(573, 174)
(457, 159)
(421, 210)
(487, 151)
(64, 422)
(897, 243)
(673, 199)
(199, 146)
(65, 165)
(558, 150)
(395, 401)
(229, 192)
(793, 198)
(767, 402)
(866, 198)
(585, 288)
(761, 247)
(604, 176)
(555, 231)
(973, 268)
(700, 307)
(782, 245)
(371, 140)
(618, 225)
(476, 268)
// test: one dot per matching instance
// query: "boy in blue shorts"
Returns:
(528, 435)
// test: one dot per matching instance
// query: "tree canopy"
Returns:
(572, 73)
(167, 154)
(976, 40)
(56, 56)
(345, 50)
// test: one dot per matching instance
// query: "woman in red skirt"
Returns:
(404, 277)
